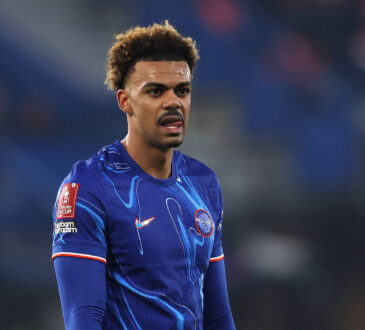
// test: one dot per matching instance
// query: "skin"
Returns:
(156, 100)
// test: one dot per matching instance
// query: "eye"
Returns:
(154, 92)
(183, 91)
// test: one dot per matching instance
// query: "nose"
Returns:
(171, 101)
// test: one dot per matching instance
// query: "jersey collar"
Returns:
(161, 182)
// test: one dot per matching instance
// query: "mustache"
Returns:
(172, 113)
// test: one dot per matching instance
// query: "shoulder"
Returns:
(203, 179)
(85, 181)
(89, 172)
(197, 170)
(85, 170)
(200, 176)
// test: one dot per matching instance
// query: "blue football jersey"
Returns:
(155, 236)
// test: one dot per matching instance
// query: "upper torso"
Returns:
(156, 236)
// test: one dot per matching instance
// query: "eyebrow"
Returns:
(159, 85)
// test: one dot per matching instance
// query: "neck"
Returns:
(153, 161)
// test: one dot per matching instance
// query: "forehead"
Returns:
(162, 72)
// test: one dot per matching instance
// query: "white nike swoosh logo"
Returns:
(141, 224)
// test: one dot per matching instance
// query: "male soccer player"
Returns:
(137, 227)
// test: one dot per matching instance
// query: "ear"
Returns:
(123, 101)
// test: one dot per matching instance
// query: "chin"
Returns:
(175, 144)
(165, 145)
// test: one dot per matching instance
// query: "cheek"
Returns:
(187, 110)
(145, 113)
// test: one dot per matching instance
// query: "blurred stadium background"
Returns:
(278, 112)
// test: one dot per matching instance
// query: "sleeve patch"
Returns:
(67, 201)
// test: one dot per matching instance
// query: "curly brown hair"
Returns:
(152, 43)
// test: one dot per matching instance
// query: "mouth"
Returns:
(172, 124)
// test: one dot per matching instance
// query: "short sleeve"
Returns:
(217, 251)
(79, 217)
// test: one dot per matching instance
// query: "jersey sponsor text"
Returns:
(63, 227)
